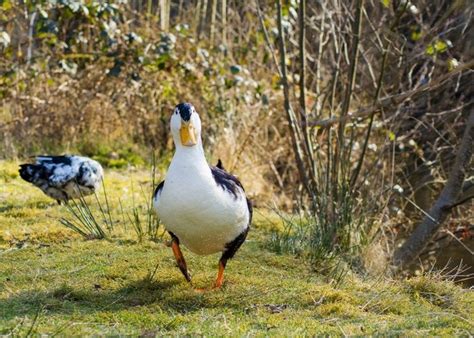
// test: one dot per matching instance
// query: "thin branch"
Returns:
(267, 39)
(390, 100)
(386, 48)
(294, 129)
(302, 58)
(458, 203)
(423, 233)
(357, 28)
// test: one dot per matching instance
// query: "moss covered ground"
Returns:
(52, 281)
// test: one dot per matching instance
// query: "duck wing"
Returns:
(227, 182)
(59, 170)
(230, 184)
(157, 193)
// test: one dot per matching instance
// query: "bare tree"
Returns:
(202, 17)
(212, 28)
(447, 199)
(291, 117)
(224, 21)
(165, 7)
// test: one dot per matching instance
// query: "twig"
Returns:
(340, 154)
(294, 128)
(302, 56)
(423, 233)
(267, 39)
(390, 100)
(459, 241)
(386, 48)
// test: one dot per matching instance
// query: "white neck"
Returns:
(190, 157)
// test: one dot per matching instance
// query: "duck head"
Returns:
(185, 126)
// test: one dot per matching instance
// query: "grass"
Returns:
(54, 282)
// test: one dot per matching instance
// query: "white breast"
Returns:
(200, 213)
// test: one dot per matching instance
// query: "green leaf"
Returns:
(415, 35)
(440, 46)
(6, 5)
(391, 135)
(386, 3)
(430, 50)
(437, 47)
(21, 86)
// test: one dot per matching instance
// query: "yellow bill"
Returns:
(187, 134)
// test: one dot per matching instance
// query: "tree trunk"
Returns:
(224, 21)
(149, 8)
(202, 18)
(197, 18)
(448, 198)
(213, 21)
(165, 6)
(149, 13)
(31, 28)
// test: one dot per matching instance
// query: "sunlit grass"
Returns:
(52, 281)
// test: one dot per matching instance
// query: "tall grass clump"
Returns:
(293, 238)
(332, 228)
(95, 219)
(332, 154)
(142, 216)
(88, 222)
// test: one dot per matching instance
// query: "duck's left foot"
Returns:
(219, 280)
(220, 274)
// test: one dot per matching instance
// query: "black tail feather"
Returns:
(27, 172)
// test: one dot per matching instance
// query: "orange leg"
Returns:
(220, 274)
(180, 259)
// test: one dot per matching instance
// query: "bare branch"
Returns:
(294, 128)
(267, 39)
(440, 210)
(391, 100)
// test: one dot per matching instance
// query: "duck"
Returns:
(201, 206)
(63, 177)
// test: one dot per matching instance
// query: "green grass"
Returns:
(54, 282)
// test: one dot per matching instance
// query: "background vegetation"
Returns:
(353, 121)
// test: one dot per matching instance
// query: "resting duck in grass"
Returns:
(201, 206)
(64, 177)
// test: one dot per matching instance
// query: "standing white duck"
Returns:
(64, 177)
(202, 207)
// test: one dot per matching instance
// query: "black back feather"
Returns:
(226, 181)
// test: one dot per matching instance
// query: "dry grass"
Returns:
(54, 282)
